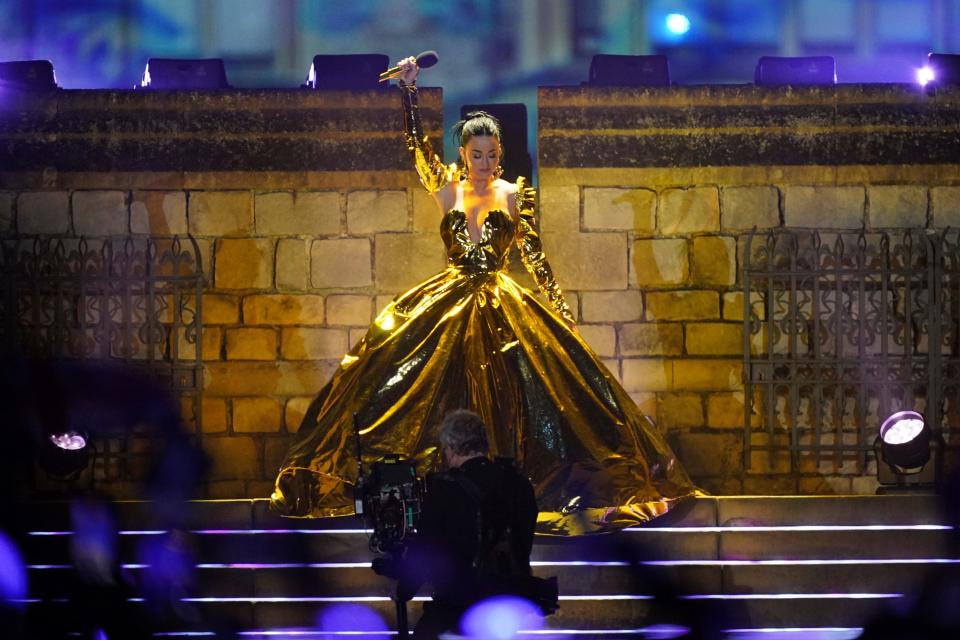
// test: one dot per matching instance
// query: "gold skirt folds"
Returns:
(476, 339)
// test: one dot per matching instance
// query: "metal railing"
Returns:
(135, 301)
(840, 331)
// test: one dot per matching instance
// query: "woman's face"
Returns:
(481, 156)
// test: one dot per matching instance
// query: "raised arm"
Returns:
(531, 252)
(433, 173)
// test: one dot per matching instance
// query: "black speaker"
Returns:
(629, 71)
(945, 68)
(813, 70)
(172, 73)
(348, 72)
(516, 160)
(28, 74)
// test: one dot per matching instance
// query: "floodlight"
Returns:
(944, 69)
(173, 73)
(31, 75)
(810, 70)
(64, 454)
(355, 72)
(629, 71)
(905, 442)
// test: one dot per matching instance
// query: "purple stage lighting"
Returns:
(13, 573)
(350, 617)
(925, 75)
(501, 618)
(70, 440)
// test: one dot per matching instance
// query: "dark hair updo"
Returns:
(477, 123)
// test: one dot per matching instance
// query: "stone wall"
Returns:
(309, 220)
(648, 196)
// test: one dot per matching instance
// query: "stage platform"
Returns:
(757, 567)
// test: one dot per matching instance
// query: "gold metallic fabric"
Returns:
(434, 175)
(471, 337)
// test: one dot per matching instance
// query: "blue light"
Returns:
(13, 573)
(350, 617)
(501, 618)
(678, 23)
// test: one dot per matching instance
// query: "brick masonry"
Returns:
(646, 197)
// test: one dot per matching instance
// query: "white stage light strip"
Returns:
(790, 528)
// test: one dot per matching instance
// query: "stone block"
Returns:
(220, 308)
(679, 410)
(281, 309)
(591, 261)
(692, 210)
(647, 375)
(158, 213)
(864, 485)
(225, 489)
(647, 403)
(713, 261)
(426, 212)
(651, 339)
(356, 335)
(769, 485)
(294, 411)
(213, 413)
(944, 201)
(256, 415)
(100, 213)
(371, 212)
(7, 198)
(299, 343)
(683, 305)
(612, 306)
(824, 485)
(602, 338)
(823, 207)
(708, 375)
(713, 338)
(251, 343)
(659, 262)
(403, 259)
(243, 263)
(725, 411)
(297, 213)
(620, 209)
(348, 310)
(559, 208)
(220, 213)
(743, 208)
(228, 379)
(733, 305)
(232, 457)
(897, 206)
(340, 263)
(708, 454)
(43, 212)
(292, 264)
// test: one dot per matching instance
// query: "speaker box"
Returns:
(348, 72)
(28, 74)
(629, 71)
(813, 70)
(171, 73)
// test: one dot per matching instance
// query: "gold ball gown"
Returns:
(471, 337)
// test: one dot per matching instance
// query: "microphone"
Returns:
(425, 60)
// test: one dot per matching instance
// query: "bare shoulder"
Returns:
(509, 188)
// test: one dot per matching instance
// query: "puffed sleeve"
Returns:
(433, 173)
(531, 252)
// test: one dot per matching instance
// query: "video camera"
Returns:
(390, 500)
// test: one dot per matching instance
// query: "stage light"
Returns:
(64, 454)
(355, 72)
(629, 71)
(677, 23)
(925, 75)
(905, 442)
(909, 455)
(184, 74)
(811, 70)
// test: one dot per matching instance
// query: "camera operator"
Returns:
(476, 533)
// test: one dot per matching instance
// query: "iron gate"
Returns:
(135, 301)
(840, 331)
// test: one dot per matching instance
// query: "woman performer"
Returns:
(471, 338)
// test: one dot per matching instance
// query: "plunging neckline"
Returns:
(482, 227)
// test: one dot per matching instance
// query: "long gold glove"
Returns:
(531, 252)
(433, 173)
